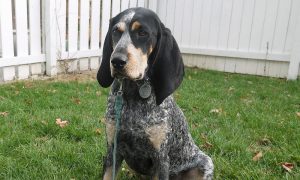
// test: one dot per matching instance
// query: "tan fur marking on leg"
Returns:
(110, 132)
(108, 174)
(157, 134)
(155, 178)
(135, 25)
(193, 174)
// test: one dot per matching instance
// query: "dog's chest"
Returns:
(141, 122)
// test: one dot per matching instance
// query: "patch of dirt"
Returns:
(80, 77)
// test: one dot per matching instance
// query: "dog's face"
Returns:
(133, 34)
(138, 44)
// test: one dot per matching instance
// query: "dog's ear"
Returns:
(166, 65)
(104, 75)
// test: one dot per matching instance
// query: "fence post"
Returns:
(295, 54)
(50, 37)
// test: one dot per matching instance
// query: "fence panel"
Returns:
(228, 35)
(247, 30)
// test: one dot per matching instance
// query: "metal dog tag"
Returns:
(145, 90)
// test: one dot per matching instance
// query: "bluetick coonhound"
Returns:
(153, 137)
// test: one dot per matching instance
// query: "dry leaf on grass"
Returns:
(98, 131)
(298, 114)
(207, 145)
(216, 111)
(61, 123)
(4, 114)
(257, 156)
(287, 166)
(98, 93)
(76, 100)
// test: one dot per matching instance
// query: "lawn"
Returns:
(249, 125)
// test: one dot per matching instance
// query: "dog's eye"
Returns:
(142, 33)
(116, 31)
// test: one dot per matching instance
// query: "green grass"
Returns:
(255, 114)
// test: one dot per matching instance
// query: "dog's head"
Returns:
(137, 45)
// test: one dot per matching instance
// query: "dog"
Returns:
(141, 55)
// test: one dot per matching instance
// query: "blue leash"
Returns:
(118, 110)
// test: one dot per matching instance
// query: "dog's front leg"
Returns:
(162, 167)
(108, 164)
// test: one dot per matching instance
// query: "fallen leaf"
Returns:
(203, 136)
(98, 93)
(287, 166)
(103, 120)
(45, 122)
(207, 145)
(231, 88)
(52, 91)
(264, 141)
(215, 111)
(77, 101)
(4, 114)
(61, 123)
(298, 114)
(257, 156)
(98, 131)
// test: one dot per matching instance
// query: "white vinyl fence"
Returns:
(245, 36)
(54, 36)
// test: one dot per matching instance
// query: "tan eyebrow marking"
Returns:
(136, 25)
(121, 26)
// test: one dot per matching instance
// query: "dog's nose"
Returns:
(118, 63)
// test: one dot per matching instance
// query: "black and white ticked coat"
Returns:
(152, 136)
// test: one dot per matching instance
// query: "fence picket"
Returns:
(235, 24)
(124, 5)
(269, 26)
(295, 6)
(225, 24)
(21, 27)
(35, 27)
(133, 3)
(7, 43)
(257, 25)
(115, 7)
(179, 19)
(95, 24)
(204, 27)
(246, 25)
(141, 3)
(283, 16)
(105, 20)
(196, 22)
(214, 24)
(73, 25)
(84, 24)
(61, 19)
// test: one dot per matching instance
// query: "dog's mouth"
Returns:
(122, 75)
